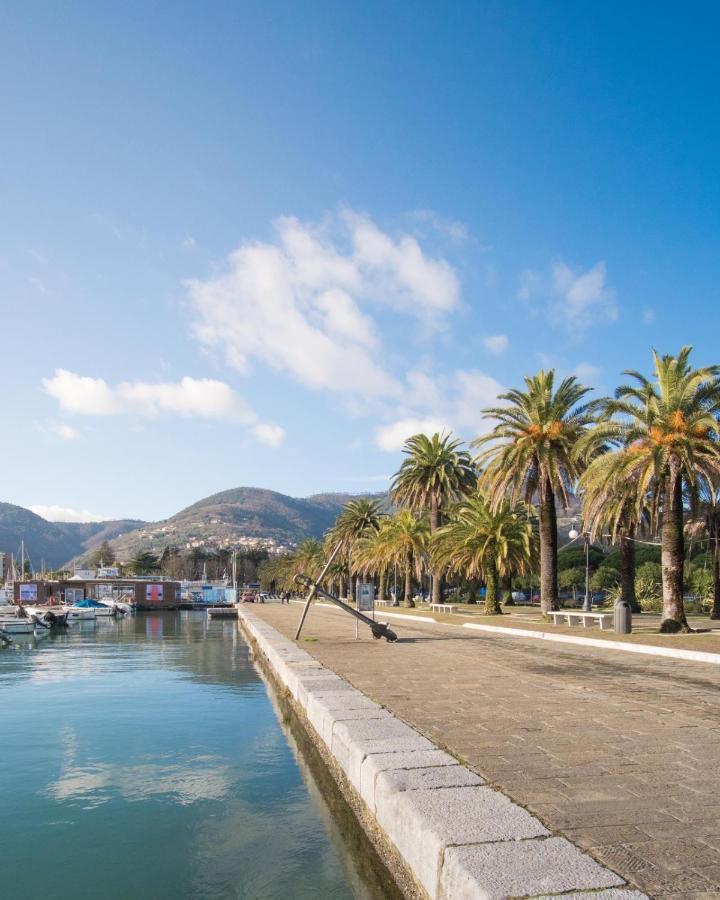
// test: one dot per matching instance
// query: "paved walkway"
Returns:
(619, 753)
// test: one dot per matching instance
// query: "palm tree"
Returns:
(403, 540)
(668, 436)
(434, 474)
(707, 520)
(610, 507)
(370, 554)
(486, 541)
(530, 452)
(356, 519)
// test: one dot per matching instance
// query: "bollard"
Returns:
(623, 617)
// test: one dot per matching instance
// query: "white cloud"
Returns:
(455, 403)
(66, 432)
(302, 303)
(583, 296)
(586, 371)
(393, 436)
(272, 435)
(189, 243)
(474, 391)
(202, 398)
(648, 315)
(496, 344)
(575, 298)
(65, 514)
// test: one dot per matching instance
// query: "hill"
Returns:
(54, 543)
(244, 515)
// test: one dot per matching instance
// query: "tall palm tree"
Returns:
(356, 518)
(529, 452)
(486, 541)
(669, 440)
(434, 474)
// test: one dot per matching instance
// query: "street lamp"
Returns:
(573, 534)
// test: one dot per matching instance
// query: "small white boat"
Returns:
(80, 614)
(48, 616)
(17, 625)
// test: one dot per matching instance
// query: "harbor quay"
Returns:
(612, 751)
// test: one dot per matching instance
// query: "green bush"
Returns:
(648, 586)
(605, 578)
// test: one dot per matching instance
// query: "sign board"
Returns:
(84, 574)
(365, 597)
(154, 593)
(108, 572)
(28, 593)
(104, 591)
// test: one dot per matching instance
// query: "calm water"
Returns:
(145, 759)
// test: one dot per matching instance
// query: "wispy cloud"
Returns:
(202, 398)
(496, 344)
(575, 298)
(65, 514)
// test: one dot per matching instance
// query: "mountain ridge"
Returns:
(238, 516)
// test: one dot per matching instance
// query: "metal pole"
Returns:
(313, 589)
(587, 606)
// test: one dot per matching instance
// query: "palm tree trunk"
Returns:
(492, 604)
(627, 571)
(409, 602)
(548, 548)
(715, 538)
(381, 585)
(434, 525)
(672, 556)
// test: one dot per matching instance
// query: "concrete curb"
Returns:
(459, 837)
(646, 649)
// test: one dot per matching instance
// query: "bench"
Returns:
(442, 607)
(571, 617)
(382, 603)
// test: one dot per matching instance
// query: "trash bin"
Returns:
(623, 617)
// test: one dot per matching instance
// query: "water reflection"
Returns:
(150, 746)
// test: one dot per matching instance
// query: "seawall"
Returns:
(442, 831)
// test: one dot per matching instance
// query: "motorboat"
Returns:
(77, 613)
(48, 616)
(99, 608)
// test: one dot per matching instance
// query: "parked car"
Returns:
(248, 597)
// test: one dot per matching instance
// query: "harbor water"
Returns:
(147, 758)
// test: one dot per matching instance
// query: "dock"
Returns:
(222, 612)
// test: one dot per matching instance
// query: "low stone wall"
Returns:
(459, 838)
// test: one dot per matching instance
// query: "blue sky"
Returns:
(259, 243)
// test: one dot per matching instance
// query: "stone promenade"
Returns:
(619, 753)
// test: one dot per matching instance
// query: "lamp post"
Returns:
(573, 534)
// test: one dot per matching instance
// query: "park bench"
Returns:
(382, 603)
(442, 607)
(570, 618)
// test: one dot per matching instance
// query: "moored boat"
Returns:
(17, 625)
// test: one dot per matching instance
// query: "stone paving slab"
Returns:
(616, 751)
(519, 868)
